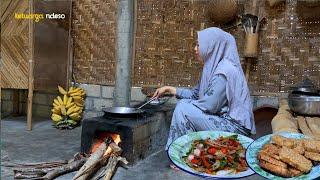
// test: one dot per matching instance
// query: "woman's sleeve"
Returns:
(215, 96)
(182, 93)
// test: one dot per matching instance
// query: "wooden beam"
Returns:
(31, 65)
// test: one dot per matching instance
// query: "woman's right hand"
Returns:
(165, 89)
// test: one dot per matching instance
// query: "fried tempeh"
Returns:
(265, 157)
(311, 145)
(282, 141)
(298, 146)
(271, 149)
(312, 156)
(294, 171)
(295, 159)
(278, 170)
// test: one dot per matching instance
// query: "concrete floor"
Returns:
(45, 143)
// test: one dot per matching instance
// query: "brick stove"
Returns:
(140, 135)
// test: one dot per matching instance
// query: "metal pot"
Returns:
(304, 105)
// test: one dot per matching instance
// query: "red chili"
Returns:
(224, 150)
(195, 161)
(212, 151)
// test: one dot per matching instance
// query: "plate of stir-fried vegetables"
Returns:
(213, 154)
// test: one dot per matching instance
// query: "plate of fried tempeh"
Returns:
(285, 155)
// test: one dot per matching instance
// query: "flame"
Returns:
(102, 137)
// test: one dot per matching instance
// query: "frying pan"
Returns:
(126, 110)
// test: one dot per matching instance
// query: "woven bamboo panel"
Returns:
(166, 34)
(165, 39)
(14, 45)
(93, 31)
(289, 49)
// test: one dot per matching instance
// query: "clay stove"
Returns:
(140, 135)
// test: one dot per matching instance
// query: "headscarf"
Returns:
(218, 50)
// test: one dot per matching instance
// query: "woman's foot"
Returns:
(174, 167)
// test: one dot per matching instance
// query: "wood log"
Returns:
(92, 161)
(73, 166)
(111, 166)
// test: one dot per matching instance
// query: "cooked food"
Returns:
(298, 146)
(271, 149)
(265, 157)
(289, 157)
(295, 159)
(282, 141)
(295, 172)
(312, 145)
(312, 156)
(224, 155)
(278, 170)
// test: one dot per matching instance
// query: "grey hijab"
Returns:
(218, 50)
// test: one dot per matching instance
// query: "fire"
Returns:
(102, 137)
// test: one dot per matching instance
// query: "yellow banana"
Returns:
(75, 116)
(75, 90)
(60, 100)
(80, 101)
(70, 89)
(70, 105)
(61, 90)
(77, 108)
(57, 108)
(56, 117)
(71, 110)
(55, 111)
(75, 94)
(78, 104)
(56, 102)
(63, 110)
(69, 101)
(65, 99)
(77, 97)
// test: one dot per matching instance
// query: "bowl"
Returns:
(304, 105)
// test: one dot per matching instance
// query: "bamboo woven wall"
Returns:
(166, 35)
(14, 45)
(93, 34)
(289, 46)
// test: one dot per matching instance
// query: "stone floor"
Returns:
(45, 143)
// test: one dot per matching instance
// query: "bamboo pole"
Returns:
(31, 65)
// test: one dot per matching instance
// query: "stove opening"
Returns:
(101, 137)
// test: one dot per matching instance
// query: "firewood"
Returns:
(75, 165)
(112, 163)
(35, 172)
(92, 161)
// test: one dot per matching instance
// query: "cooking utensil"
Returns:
(304, 105)
(123, 111)
(151, 99)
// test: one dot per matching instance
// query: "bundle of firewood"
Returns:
(100, 164)
(101, 159)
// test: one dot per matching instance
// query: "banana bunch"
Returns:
(68, 107)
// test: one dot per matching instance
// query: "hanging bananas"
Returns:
(68, 107)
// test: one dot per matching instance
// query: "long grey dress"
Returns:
(207, 113)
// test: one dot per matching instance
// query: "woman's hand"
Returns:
(165, 89)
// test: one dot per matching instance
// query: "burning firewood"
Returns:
(89, 166)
